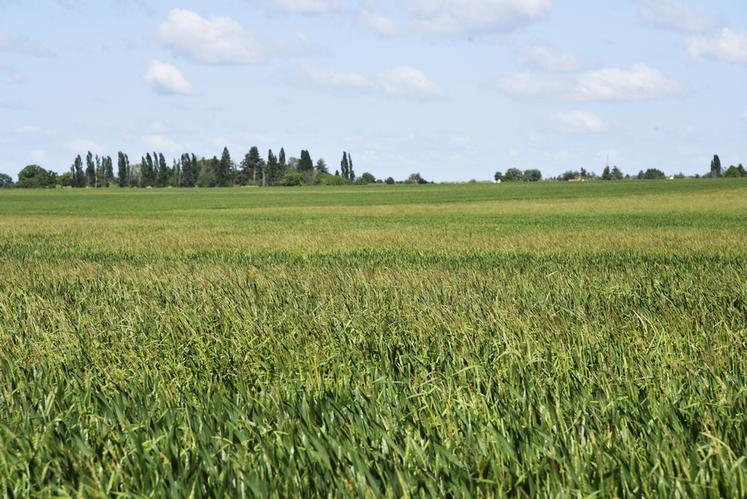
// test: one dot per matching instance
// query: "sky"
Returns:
(453, 89)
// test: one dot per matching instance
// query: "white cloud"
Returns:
(336, 80)
(380, 24)
(474, 17)
(579, 122)
(38, 154)
(161, 143)
(548, 58)
(638, 83)
(307, 6)
(727, 45)
(23, 46)
(158, 127)
(526, 84)
(220, 40)
(675, 15)
(82, 145)
(29, 130)
(407, 81)
(167, 79)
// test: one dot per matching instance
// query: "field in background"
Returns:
(512, 339)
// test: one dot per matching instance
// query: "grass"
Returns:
(531, 340)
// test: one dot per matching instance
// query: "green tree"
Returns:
(208, 176)
(416, 178)
(164, 172)
(345, 166)
(532, 175)
(732, 172)
(389, 181)
(292, 179)
(6, 181)
(606, 173)
(652, 174)
(321, 166)
(35, 177)
(715, 167)
(90, 170)
(224, 170)
(498, 176)
(123, 169)
(617, 174)
(367, 178)
(513, 175)
(190, 170)
(79, 177)
(305, 164)
(351, 171)
(252, 167)
(273, 168)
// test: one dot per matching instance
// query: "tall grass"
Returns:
(210, 362)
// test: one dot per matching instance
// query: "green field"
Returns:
(532, 340)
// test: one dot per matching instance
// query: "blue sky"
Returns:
(454, 89)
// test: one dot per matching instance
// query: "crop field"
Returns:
(467, 340)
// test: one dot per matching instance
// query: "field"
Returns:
(531, 340)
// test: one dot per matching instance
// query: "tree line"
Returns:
(274, 170)
(93, 171)
(614, 173)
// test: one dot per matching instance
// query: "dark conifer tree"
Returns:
(273, 168)
(90, 170)
(123, 169)
(79, 178)
(345, 166)
(305, 164)
(716, 167)
(224, 170)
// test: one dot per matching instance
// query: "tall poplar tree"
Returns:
(90, 170)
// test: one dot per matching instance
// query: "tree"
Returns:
(617, 174)
(6, 181)
(305, 164)
(252, 166)
(742, 171)
(498, 176)
(513, 175)
(90, 170)
(606, 173)
(732, 172)
(367, 178)
(321, 166)
(292, 179)
(224, 169)
(652, 174)
(389, 181)
(272, 168)
(34, 176)
(108, 167)
(715, 167)
(208, 176)
(351, 172)
(190, 170)
(571, 175)
(345, 166)
(415, 178)
(79, 177)
(123, 169)
(164, 172)
(532, 175)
